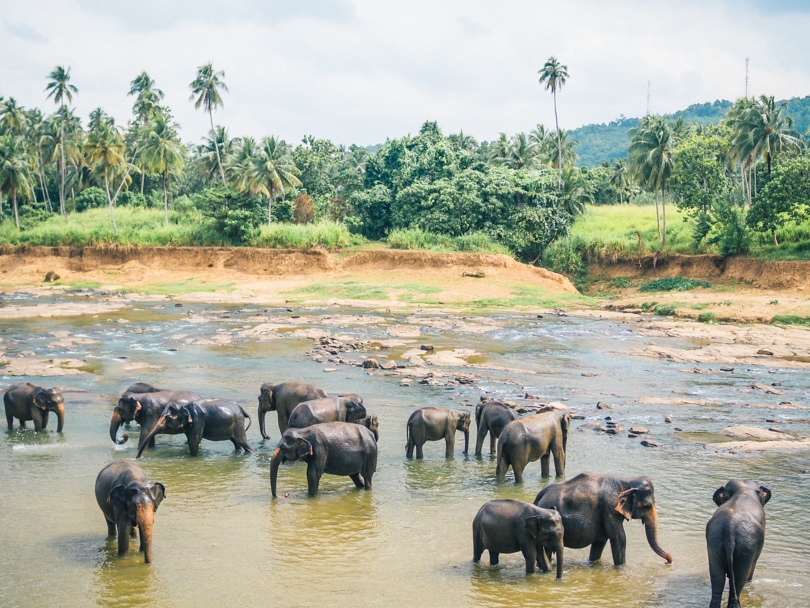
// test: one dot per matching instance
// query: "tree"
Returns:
(619, 178)
(104, 150)
(554, 75)
(12, 117)
(146, 107)
(785, 198)
(60, 89)
(206, 87)
(275, 171)
(162, 153)
(15, 171)
(651, 160)
(565, 147)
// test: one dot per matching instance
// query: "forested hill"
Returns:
(606, 142)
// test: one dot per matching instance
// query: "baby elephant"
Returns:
(509, 526)
(345, 408)
(129, 500)
(433, 424)
(734, 537)
(27, 401)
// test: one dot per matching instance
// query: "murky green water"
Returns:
(220, 540)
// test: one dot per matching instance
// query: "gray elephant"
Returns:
(534, 437)
(144, 404)
(734, 537)
(509, 526)
(346, 408)
(337, 448)
(212, 419)
(283, 398)
(372, 424)
(27, 401)
(129, 500)
(434, 424)
(491, 417)
(594, 507)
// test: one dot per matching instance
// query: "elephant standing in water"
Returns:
(509, 526)
(594, 507)
(535, 437)
(433, 424)
(337, 448)
(129, 499)
(283, 398)
(346, 408)
(144, 404)
(491, 417)
(735, 536)
(212, 419)
(27, 401)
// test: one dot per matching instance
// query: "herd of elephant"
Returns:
(335, 435)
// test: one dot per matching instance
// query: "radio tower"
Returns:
(648, 97)
(746, 77)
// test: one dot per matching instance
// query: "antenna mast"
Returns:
(648, 97)
(746, 76)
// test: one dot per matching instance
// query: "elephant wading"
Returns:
(372, 424)
(129, 500)
(283, 398)
(212, 419)
(593, 510)
(491, 417)
(509, 526)
(337, 448)
(433, 424)
(734, 537)
(26, 401)
(144, 404)
(346, 408)
(535, 437)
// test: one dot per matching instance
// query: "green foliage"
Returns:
(90, 198)
(331, 235)
(233, 216)
(699, 173)
(621, 282)
(128, 198)
(707, 317)
(785, 198)
(32, 215)
(791, 320)
(562, 256)
(673, 284)
(730, 232)
(665, 310)
(416, 239)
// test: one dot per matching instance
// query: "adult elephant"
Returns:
(372, 424)
(212, 419)
(346, 408)
(491, 417)
(434, 424)
(337, 448)
(26, 401)
(594, 507)
(535, 437)
(144, 404)
(509, 526)
(735, 536)
(283, 398)
(129, 500)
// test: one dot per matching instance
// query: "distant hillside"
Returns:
(607, 142)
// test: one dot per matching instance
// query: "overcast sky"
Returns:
(359, 71)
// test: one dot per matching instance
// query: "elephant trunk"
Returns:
(115, 423)
(60, 417)
(274, 462)
(466, 440)
(159, 426)
(558, 549)
(651, 528)
(262, 414)
(146, 519)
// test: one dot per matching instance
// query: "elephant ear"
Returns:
(533, 525)
(624, 506)
(764, 495)
(721, 495)
(118, 496)
(39, 399)
(304, 449)
(158, 494)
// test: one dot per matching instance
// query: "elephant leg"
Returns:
(132, 531)
(559, 462)
(494, 557)
(479, 439)
(478, 546)
(368, 473)
(542, 560)
(193, 445)
(517, 469)
(544, 465)
(357, 481)
(123, 535)
(501, 467)
(530, 555)
(110, 527)
(313, 479)
(618, 546)
(419, 454)
(596, 550)
(449, 444)
(409, 448)
(39, 420)
(10, 421)
(718, 580)
(492, 440)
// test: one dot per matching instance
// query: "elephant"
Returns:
(283, 398)
(128, 500)
(346, 408)
(212, 419)
(433, 424)
(27, 401)
(534, 437)
(594, 507)
(509, 526)
(735, 535)
(372, 424)
(144, 404)
(337, 448)
(491, 417)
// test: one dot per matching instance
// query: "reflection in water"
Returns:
(125, 581)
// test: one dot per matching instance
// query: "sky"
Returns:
(362, 71)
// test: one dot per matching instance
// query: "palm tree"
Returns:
(565, 147)
(12, 117)
(554, 75)
(104, 150)
(275, 171)
(162, 153)
(146, 106)
(543, 143)
(99, 117)
(521, 152)
(499, 150)
(240, 165)
(618, 177)
(15, 171)
(60, 89)
(205, 87)
(217, 141)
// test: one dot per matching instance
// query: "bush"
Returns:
(303, 211)
(331, 235)
(665, 310)
(90, 198)
(673, 284)
(131, 199)
(562, 257)
(707, 317)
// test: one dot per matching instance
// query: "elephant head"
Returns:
(137, 503)
(734, 486)
(174, 419)
(354, 407)
(463, 424)
(266, 404)
(637, 501)
(372, 424)
(126, 410)
(50, 400)
(292, 446)
(548, 531)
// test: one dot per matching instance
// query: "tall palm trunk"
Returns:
(62, 151)
(216, 148)
(559, 145)
(109, 201)
(664, 214)
(42, 187)
(165, 200)
(16, 215)
(657, 217)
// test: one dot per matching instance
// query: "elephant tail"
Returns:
(565, 423)
(502, 460)
(407, 435)
(733, 592)
(246, 415)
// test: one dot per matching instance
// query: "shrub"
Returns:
(90, 198)
(707, 317)
(131, 199)
(665, 310)
(791, 320)
(621, 282)
(303, 211)
(673, 284)
(562, 257)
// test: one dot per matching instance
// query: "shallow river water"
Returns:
(220, 540)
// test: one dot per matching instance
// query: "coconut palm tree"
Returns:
(104, 150)
(15, 171)
(554, 75)
(522, 152)
(275, 171)
(619, 178)
(240, 165)
(565, 147)
(544, 144)
(206, 153)
(12, 117)
(205, 87)
(162, 153)
(60, 89)
(499, 150)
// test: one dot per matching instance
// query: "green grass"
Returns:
(415, 239)
(673, 284)
(707, 317)
(665, 310)
(190, 285)
(331, 235)
(351, 290)
(791, 320)
(530, 296)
